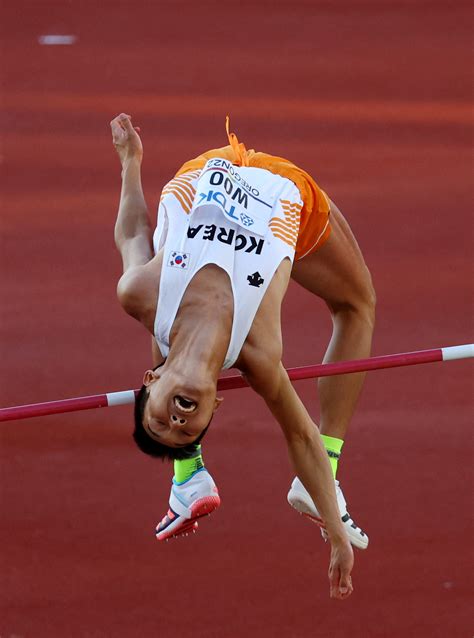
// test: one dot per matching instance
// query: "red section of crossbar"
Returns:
(54, 407)
(346, 367)
(233, 382)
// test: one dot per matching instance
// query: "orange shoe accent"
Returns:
(315, 519)
(202, 507)
(205, 506)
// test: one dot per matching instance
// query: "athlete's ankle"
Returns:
(333, 447)
(187, 468)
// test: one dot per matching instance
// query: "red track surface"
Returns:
(372, 98)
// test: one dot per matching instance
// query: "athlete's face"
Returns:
(176, 414)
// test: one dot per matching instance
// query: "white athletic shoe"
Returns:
(196, 497)
(299, 498)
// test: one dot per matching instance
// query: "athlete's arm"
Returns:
(133, 231)
(311, 464)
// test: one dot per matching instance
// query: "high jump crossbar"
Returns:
(125, 397)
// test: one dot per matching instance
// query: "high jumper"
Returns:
(207, 284)
(227, 212)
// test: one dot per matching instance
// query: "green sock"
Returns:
(333, 448)
(184, 469)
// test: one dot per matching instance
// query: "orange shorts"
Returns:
(314, 228)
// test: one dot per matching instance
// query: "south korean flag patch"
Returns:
(178, 260)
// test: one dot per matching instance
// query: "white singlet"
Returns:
(244, 220)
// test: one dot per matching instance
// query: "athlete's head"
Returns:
(171, 417)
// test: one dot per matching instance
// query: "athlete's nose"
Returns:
(176, 421)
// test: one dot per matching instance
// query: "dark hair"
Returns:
(153, 448)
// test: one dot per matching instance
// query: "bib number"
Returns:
(239, 201)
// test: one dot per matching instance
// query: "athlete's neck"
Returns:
(196, 359)
(199, 344)
(202, 328)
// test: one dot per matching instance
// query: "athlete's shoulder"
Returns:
(260, 359)
(137, 290)
(261, 368)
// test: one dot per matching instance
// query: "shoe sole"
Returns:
(304, 509)
(301, 507)
(200, 508)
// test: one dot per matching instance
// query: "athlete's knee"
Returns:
(368, 296)
(368, 306)
(358, 304)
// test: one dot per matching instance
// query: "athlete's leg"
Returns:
(338, 274)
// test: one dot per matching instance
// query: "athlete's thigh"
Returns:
(337, 271)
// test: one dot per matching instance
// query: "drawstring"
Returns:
(238, 147)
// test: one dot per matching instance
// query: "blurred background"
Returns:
(374, 99)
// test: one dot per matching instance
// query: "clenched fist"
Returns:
(126, 140)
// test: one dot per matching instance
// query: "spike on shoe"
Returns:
(179, 525)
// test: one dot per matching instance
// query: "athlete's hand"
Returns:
(340, 567)
(125, 138)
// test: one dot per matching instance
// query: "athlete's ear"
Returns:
(217, 403)
(149, 377)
